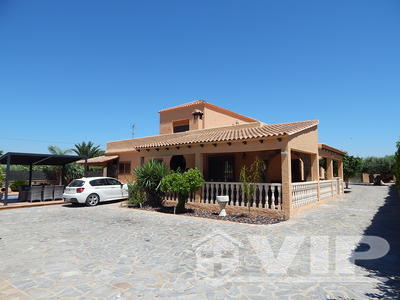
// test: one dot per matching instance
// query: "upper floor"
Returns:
(196, 115)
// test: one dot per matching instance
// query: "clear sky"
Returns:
(73, 71)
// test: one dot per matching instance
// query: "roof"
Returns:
(211, 106)
(17, 158)
(254, 130)
(98, 159)
(332, 149)
(184, 105)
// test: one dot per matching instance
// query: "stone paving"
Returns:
(109, 252)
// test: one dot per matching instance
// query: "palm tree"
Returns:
(88, 149)
(58, 151)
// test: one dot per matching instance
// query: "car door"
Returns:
(100, 187)
(115, 188)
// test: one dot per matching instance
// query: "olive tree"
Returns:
(182, 184)
(351, 167)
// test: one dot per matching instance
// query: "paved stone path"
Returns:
(119, 253)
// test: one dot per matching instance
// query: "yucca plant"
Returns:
(148, 177)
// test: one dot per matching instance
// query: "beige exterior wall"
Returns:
(185, 113)
(133, 159)
(306, 141)
(212, 117)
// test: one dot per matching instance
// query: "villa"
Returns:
(219, 142)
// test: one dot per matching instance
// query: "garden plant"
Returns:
(182, 184)
(148, 178)
(249, 176)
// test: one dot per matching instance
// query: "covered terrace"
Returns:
(31, 160)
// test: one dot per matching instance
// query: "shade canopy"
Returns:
(35, 159)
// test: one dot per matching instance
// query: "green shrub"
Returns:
(136, 194)
(2, 176)
(16, 184)
(397, 166)
(182, 184)
(148, 178)
(351, 167)
(73, 171)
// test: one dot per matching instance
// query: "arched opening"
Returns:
(178, 162)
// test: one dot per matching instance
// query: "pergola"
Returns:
(34, 159)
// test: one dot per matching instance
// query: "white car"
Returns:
(92, 190)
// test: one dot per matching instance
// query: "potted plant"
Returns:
(182, 184)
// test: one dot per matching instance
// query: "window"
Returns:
(98, 182)
(124, 168)
(112, 181)
(221, 168)
(181, 126)
(76, 183)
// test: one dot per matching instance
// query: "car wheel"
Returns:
(92, 200)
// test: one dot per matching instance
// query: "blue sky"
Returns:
(73, 71)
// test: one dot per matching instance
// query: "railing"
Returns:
(304, 193)
(342, 185)
(266, 195)
(174, 197)
(325, 189)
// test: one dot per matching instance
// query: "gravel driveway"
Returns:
(119, 253)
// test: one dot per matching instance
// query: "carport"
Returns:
(35, 159)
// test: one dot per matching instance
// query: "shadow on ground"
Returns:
(72, 205)
(386, 224)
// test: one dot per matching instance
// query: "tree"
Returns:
(379, 165)
(148, 177)
(248, 177)
(1, 152)
(182, 184)
(2, 176)
(351, 167)
(397, 166)
(88, 149)
(73, 171)
(58, 151)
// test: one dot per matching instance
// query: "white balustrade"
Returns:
(266, 195)
(304, 193)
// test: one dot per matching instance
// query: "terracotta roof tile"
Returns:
(254, 130)
(188, 104)
(98, 159)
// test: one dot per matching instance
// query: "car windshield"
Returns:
(76, 183)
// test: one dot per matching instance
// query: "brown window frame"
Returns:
(183, 125)
(125, 169)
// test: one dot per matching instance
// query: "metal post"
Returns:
(7, 180)
(62, 175)
(30, 175)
